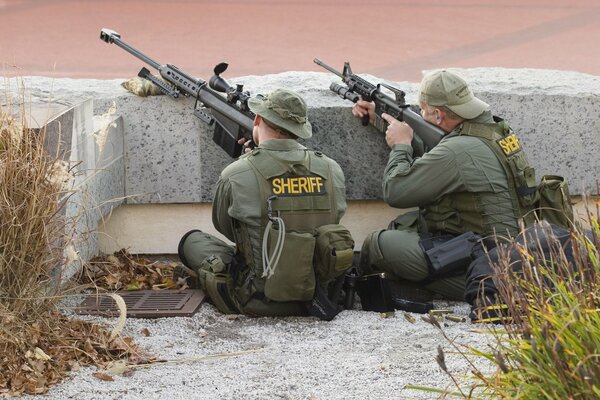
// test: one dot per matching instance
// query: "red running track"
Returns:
(393, 39)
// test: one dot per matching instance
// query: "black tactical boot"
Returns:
(184, 275)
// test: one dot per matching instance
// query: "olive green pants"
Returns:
(398, 253)
(196, 245)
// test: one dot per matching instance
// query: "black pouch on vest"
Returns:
(450, 257)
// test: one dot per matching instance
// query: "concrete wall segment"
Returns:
(170, 156)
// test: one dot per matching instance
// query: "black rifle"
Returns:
(233, 118)
(397, 108)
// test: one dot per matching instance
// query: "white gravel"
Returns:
(358, 355)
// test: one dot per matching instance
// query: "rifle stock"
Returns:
(357, 87)
(233, 118)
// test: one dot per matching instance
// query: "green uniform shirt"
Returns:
(458, 166)
(238, 193)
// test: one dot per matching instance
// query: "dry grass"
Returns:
(549, 348)
(552, 349)
(38, 346)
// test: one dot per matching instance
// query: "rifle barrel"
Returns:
(328, 67)
(113, 37)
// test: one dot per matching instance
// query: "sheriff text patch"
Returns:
(298, 185)
(509, 144)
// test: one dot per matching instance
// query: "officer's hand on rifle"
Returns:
(398, 132)
(248, 145)
(362, 108)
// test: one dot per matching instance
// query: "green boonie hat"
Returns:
(444, 88)
(284, 108)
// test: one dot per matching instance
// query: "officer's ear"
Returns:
(438, 118)
(257, 120)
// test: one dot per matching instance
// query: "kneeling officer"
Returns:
(280, 204)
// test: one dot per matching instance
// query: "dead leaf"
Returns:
(146, 332)
(103, 377)
(26, 368)
(133, 286)
(117, 367)
(40, 355)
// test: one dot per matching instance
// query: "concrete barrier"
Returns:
(168, 156)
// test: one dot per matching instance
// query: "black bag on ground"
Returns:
(379, 293)
(449, 256)
(541, 238)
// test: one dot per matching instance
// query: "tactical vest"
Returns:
(302, 195)
(505, 145)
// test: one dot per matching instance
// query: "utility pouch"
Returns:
(218, 284)
(349, 286)
(450, 257)
(409, 221)
(334, 249)
(554, 205)
(294, 277)
(374, 293)
(379, 293)
(321, 306)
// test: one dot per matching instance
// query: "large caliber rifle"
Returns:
(357, 88)
(233, 118)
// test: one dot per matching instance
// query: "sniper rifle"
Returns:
(233, 118)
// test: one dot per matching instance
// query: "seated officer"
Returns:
(274, 203)
(475, 183)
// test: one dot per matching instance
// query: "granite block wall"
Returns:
(170, 156)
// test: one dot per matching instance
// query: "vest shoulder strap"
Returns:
(505, 145)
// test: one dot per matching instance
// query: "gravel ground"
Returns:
(358, 355)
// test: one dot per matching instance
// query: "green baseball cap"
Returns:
(444, 88)
(284, 108)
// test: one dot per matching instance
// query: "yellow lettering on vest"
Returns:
(286, 186)
(298, 185)
(303, 185)
(311, 182)
(277, 189)
(504, 147)
(319, 183)
(513, 142)
(510, 144)
(294, 186)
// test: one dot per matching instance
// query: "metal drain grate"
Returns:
(145, 303)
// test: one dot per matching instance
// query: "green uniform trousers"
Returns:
(196, 245)
(398, 253)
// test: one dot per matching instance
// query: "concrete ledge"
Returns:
(171, 157)
(162, 154)
(157, 228)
